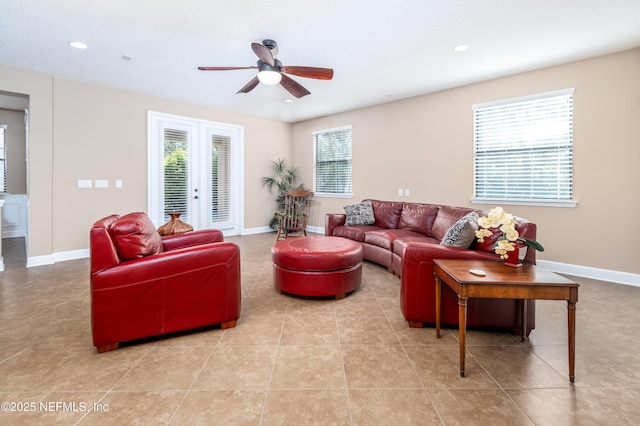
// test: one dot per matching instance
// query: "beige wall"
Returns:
(425, 144)
(85, 131)
(16, 151)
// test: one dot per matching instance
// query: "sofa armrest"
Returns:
(190, 239)
(167, 266)
(333, 220)
(417, 286)
(416, 253)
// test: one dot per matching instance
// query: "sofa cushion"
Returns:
(135, 236)
(359, 214)
(385, 237)
(386, 213)
(445, 219)
(418, 217)
(401, 243)
(355, 233)
(463, 232)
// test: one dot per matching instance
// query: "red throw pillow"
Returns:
(135, 236)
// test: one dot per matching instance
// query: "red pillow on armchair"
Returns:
(135, 236)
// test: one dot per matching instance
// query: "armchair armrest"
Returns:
(190, 239)
(333, 220)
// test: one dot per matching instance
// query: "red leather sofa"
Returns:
(145, 285)
(405, 238)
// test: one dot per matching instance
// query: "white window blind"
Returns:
(220, 178)
(523, 149)
(3, 158)
(332, 150)
(176, 173)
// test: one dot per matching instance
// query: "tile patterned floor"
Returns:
(297, 361)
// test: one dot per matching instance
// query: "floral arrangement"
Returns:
(498, 218)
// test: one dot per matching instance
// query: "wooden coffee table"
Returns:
(504, 282)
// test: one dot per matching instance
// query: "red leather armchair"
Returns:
(145, 285)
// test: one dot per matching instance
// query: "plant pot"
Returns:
(516, 256)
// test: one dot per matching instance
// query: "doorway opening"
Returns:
(14, 138)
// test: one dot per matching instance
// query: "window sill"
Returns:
(330, 195)
(539, 203)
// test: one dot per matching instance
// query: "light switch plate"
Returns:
(118, 183)
(102, 183)
(406, 192)
(399, 192)
(85, 183)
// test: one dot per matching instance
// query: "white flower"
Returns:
(498, 218)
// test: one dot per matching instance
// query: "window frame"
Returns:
(570, 202)
(3, 159)
(315, 133)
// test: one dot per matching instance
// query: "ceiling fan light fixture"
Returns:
(270, 78)
(78, 44)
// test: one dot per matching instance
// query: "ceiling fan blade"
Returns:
(293, 87)
(225, 68)
(309, 72)
(250, 85)
(263, 53)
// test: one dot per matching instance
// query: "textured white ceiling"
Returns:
(380, 50)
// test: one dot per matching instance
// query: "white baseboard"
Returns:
(47, 259)
(61, 256)
(594, 273)
(71, 255)
(257, 230)
(316, 229)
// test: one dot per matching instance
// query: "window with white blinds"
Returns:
(332, 172)
(176, 173)
(220, 178)
(523, 150)
(3, 158)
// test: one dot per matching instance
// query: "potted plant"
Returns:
(283, 178)
(510, 240)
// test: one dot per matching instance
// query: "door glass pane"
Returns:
(176, 173)
(220, 178)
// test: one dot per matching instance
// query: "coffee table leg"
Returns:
(438, 289)
(571, 307)
(462, 320)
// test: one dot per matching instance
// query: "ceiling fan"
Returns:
(271, 71)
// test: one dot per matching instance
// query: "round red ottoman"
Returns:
(317, 266)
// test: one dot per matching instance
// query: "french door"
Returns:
(195, 169)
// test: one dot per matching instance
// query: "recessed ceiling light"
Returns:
(288, 101)
(78, 44)
(461, 48)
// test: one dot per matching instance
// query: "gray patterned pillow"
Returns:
(360, 214)
(462, 233)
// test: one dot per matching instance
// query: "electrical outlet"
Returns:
(399, 192)
(406, 192)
